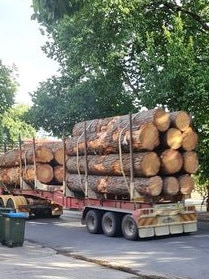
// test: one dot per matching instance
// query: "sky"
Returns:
(20, 44)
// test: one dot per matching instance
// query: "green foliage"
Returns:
(13, 126)
(8, 87)
(154, 53)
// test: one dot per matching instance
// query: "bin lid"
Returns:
(15, 215)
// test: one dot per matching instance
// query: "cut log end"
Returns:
(172, 161)
(150, 164)
(186, 183)
(173, 138)
(162, 120)
(190, 139)
(180, 120)
(170, 186)
(190, 162)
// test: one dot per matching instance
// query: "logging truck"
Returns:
(128, 175)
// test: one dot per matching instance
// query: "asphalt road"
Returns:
(184, 256)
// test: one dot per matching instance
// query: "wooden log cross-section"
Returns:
(144, 164)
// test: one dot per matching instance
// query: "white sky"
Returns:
(20, 44)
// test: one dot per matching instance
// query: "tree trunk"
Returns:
(43, 154)
(171, 161)
(115, 185)
(144, 139)
(158, 117)
(59, 156)
(44, 173)
(58, 174)
(186, 183)
(190, 139)
(144, 164)
(190, 162)
(10, 159)
(180, 120)
(11, 176)
(172, 138)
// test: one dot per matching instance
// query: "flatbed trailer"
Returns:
(132, 219)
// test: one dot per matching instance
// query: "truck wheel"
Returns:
(129, 228)
(111, 224)
(93, 221)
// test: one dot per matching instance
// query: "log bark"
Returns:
(43, 154)
(10, 158)
(144, 164)
(180, 120)
(158, 117)
(171, 161)
(186, 183)
(10, 176)
(115, 185)
(190, 139)
(190, 162)
(171, 186)
(144, 139)
(172, 138)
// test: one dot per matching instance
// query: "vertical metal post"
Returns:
(34, 163)
(131, 159)
(86, 161)
(20, 158)
(64, 166)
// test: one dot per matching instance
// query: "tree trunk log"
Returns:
(58, 174)
(186, 183)
(190, 162)
(172, 138)
(10, 158)
(11, 176)
(171, 161)
(43, 154)
(144, 164)
(115, 185)
(171, 186)
(158, 117)
(59, 156)
(144, 139)
(44, 173)
(180, 120)
(190, 139)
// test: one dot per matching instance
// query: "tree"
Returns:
(8, 86)
(13, 126)
(159, 50)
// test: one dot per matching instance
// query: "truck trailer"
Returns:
(128, 175)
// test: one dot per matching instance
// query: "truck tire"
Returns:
(111, 224)
(129, 228)
(93, 221)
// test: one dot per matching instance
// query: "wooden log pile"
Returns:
(98, 158)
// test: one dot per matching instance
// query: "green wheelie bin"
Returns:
(2, 211)
(14, 228)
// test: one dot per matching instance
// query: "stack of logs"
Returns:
(151, 152)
